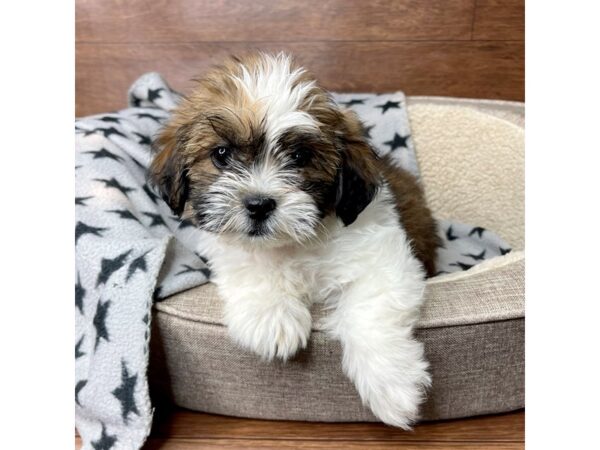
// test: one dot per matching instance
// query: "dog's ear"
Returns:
(168, 171)
(358, 176)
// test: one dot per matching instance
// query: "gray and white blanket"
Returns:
(131, 251)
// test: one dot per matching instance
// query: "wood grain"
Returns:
(184, 424)
(195, 444)
(499, 20)
(267, 20)
(462, 48)
(156, 444)
(462, 69)
(182, 430)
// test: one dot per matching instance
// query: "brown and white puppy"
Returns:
(297, 208)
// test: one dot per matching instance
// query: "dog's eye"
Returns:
(301, 156)
(220, 156)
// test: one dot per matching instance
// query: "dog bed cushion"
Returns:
(471, 158)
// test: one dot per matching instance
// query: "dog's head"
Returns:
(259, 153)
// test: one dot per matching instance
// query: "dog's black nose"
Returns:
(259, 207)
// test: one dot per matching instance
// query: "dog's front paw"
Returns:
(395, 387)
(398, 405)
(278, 330)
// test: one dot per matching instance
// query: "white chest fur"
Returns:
(374, 285)
(340, 256)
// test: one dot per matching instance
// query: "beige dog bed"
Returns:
(471, 156)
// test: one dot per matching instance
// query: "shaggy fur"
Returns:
(297, 208)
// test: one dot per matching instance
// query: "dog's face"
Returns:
(260, 154)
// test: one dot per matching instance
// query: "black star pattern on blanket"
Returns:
(113, 183)
(478, 257)
(106, 441)
(367, 131)
(138, 263)
(124, 214)
(478, 230)
(78, 352)
(449, 234)
(504, 251)
(110, 119)
(109, 266)
(137, 163)
(144, 140)
(82, 229)
(135, 100)
(107, 132)
(187, 269)
(79, 295)
(150, 193)
(153, 94)
(124, 393)
(397, 142)
(103, 153)
(202, 258)
(149, 116)
(157, 219)
(387, 105)
(78, 387)
(463, 266)
(100, 322)
(354, 101)
(81, 200)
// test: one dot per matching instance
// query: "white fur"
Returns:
(368, 277)
(271, 87)
(294, 220)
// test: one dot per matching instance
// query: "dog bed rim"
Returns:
(513, 263)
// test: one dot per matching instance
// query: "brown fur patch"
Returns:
(359, 153)
(414, 214)
(320, 171)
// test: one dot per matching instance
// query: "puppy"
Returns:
(297, 208)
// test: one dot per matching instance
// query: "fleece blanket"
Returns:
(131, 251)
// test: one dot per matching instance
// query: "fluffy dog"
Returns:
(297, 208)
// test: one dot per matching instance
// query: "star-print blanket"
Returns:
(131, 251)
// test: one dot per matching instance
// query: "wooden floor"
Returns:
(186, 430)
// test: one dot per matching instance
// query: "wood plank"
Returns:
(183, 424)
(180, 444)
(183, 430)
(266, 20)
(195, 444)
(462, 69)
(499, 20)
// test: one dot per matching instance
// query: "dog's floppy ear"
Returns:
(168, 171)
(358, 176)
